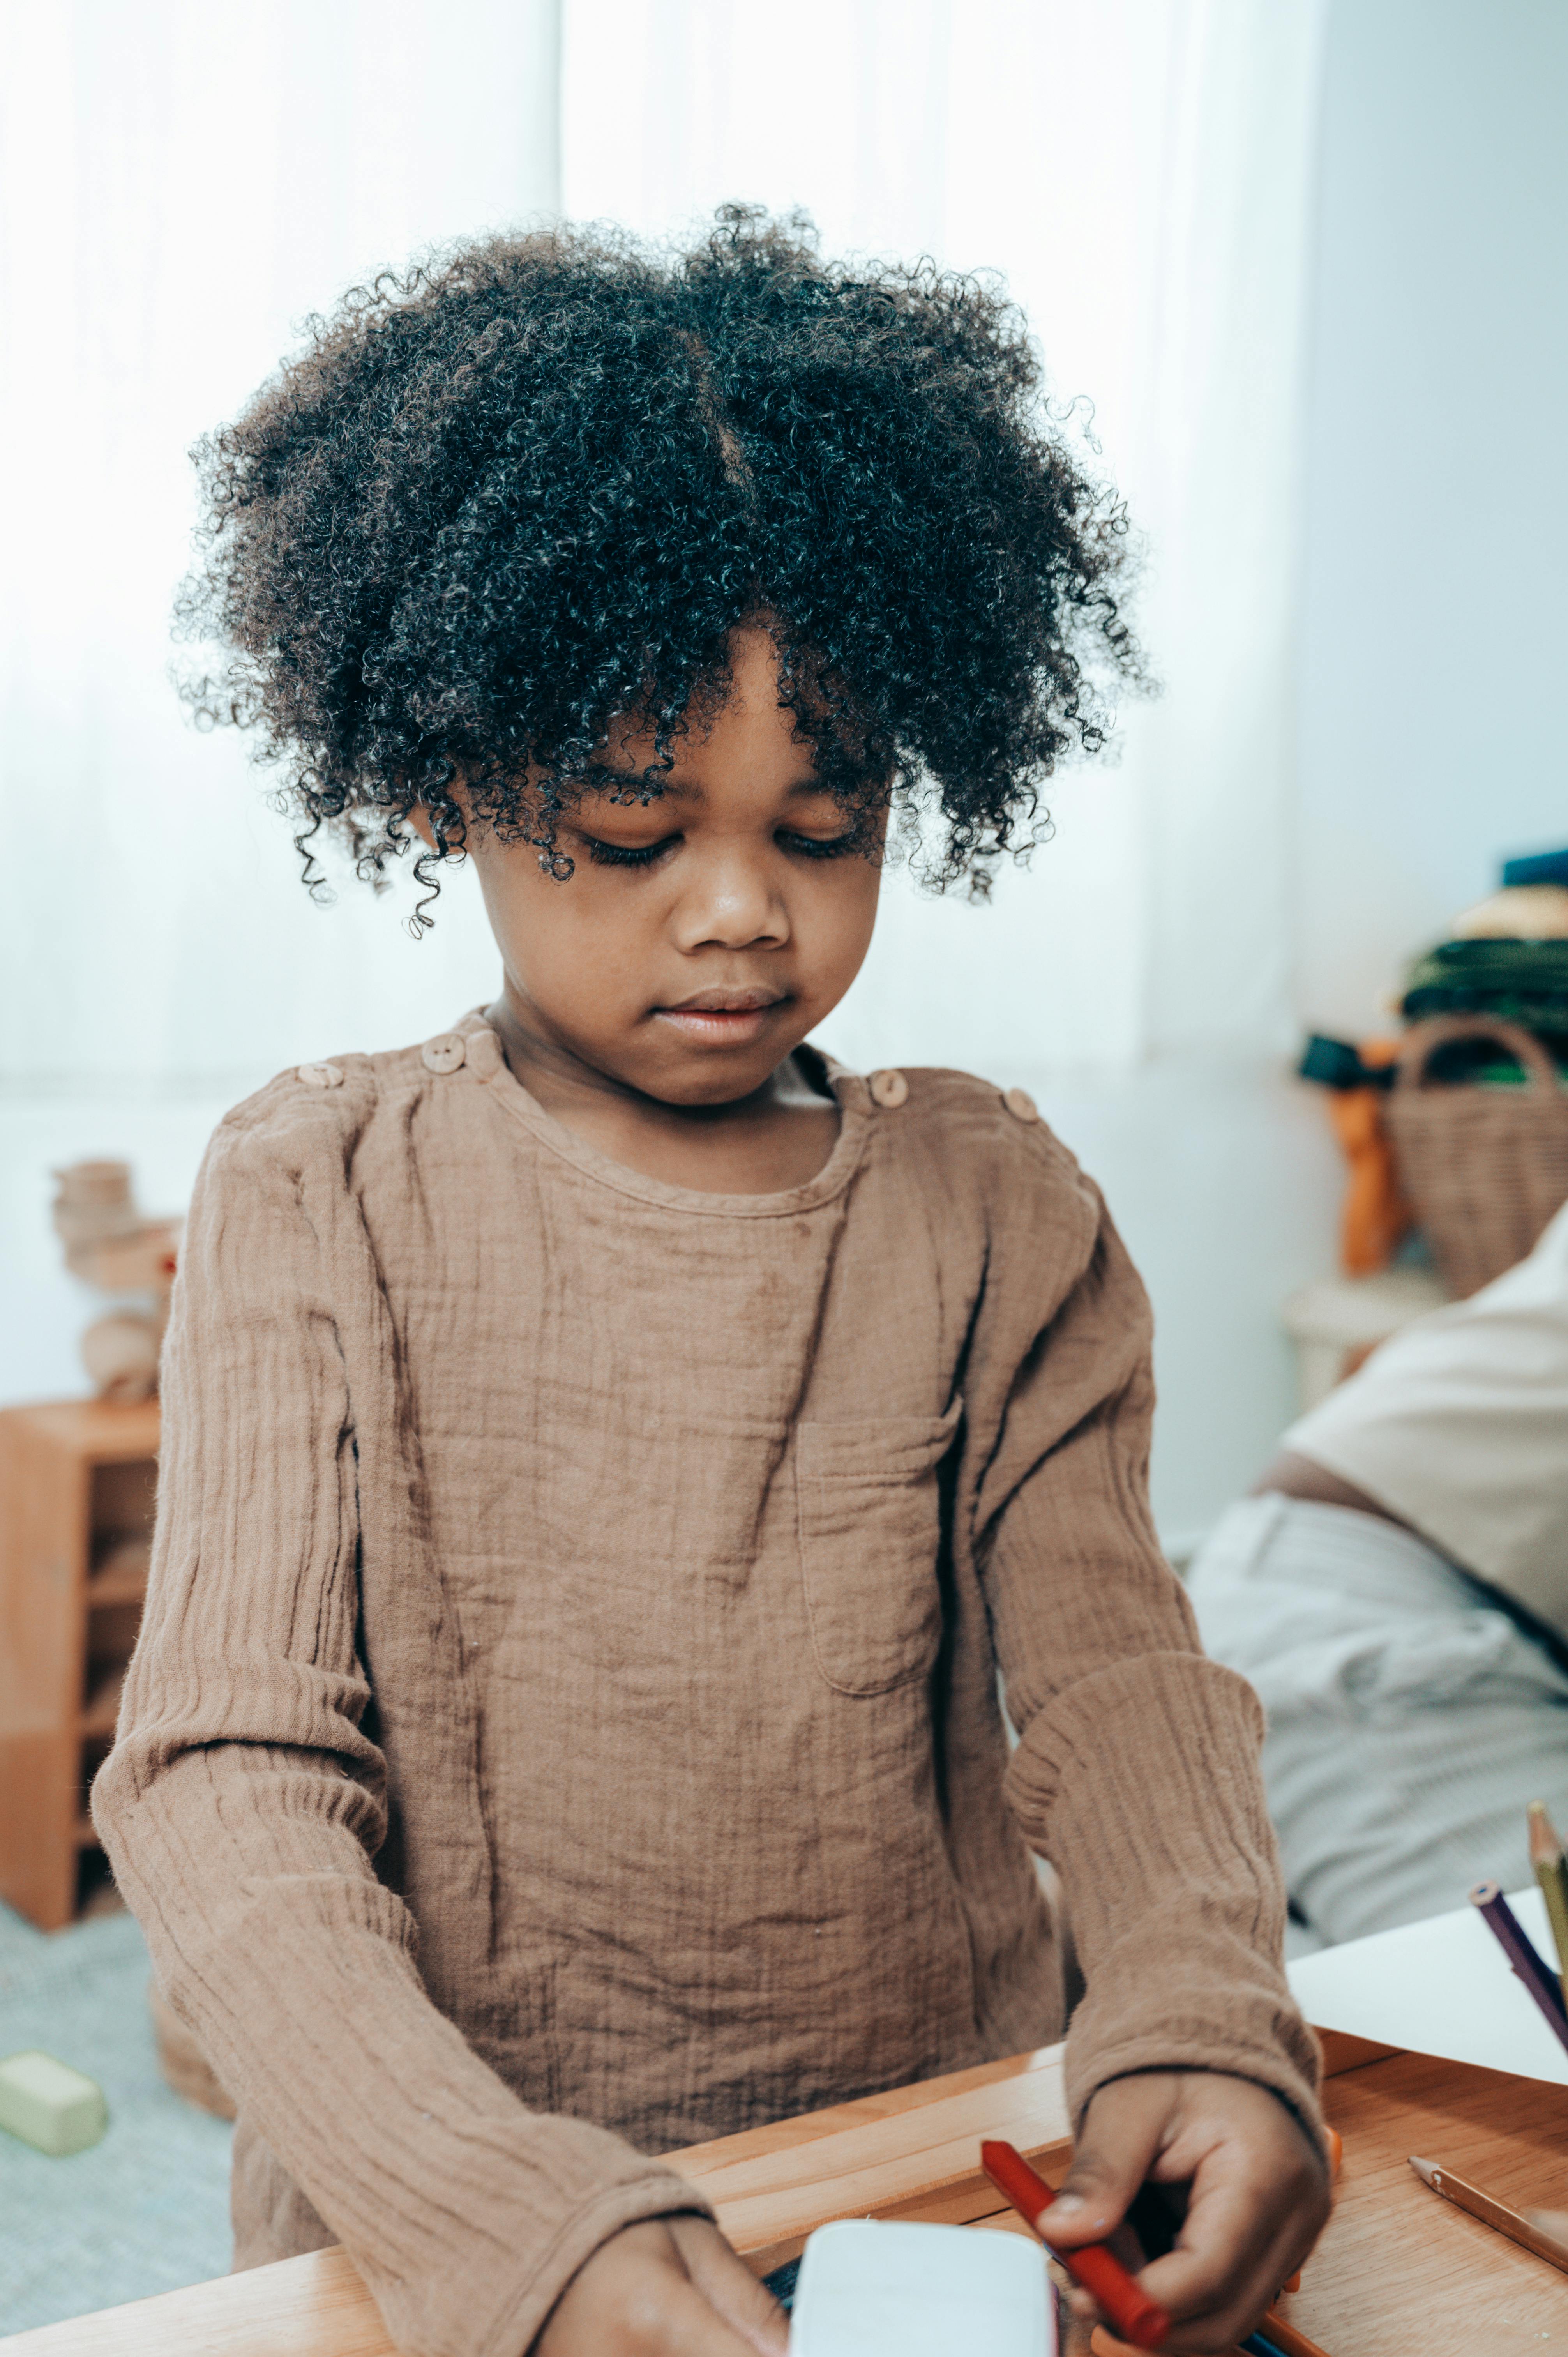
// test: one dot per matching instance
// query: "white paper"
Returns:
(1443, 1987)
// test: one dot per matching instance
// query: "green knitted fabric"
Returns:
(1523, 981)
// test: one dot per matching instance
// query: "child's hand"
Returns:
(668, 2287)
(1257, 2194)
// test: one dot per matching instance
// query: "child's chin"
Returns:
(710, 1080)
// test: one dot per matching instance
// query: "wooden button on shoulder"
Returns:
(320, 1076)
(1020, 1104)
(888, 1090)
(446, 1054)
(485, 1057)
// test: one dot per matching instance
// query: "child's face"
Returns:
(701, 937)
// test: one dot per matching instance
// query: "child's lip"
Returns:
(724, 1001)
(723, 1026)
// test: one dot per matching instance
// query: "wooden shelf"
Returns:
(116, 1584)
(78, 1489)
(103, 1706)
(109, 1432)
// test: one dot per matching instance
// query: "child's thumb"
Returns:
(1108, 2168)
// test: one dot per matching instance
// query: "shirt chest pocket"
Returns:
(869, 1497)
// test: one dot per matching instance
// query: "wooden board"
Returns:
(892, 2156)
(1399, 2271)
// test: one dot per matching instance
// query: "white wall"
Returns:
(1435, 606)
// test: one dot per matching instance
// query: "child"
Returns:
(610, 1451)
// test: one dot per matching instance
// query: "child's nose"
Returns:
(732, 902)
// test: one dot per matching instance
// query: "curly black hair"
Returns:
(535, 484)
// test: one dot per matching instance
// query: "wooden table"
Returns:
(1397, 2272)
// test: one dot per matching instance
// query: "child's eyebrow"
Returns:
(611, 781)
(597, 779)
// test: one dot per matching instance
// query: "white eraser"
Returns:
(872, 2289)
(49, 2105)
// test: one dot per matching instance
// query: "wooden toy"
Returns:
(111, 1245)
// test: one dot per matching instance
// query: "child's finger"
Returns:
(690, 2326)
(729, 2286)
(1237, 2246)
(1122, 2132)
(1224, 2283)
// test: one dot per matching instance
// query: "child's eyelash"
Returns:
(626, 855)
(623, 855)
(816, 846)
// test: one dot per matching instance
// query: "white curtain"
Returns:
(182, 182)
(1139, 171)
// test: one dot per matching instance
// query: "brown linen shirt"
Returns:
(565, 1721)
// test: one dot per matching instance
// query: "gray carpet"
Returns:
(146, 2210)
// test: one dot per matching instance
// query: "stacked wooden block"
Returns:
(77, 1479)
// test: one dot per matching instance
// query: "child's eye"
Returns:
(626, 855)
(817, 846)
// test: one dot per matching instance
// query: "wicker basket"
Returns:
(1484, 1167)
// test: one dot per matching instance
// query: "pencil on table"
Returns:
(1284, 2337)
(1538, 2230)
(1539, 1979)
(1551, 2226)
(1551, 1873)
(1274, 2333)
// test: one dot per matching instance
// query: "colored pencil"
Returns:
(1551, 2226)
(1508, 1933)
(1495, 2214)
(1551, 1873)
(1274, 2338)
(1136, 2317)
(1286, 2338)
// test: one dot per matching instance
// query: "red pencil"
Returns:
(1128, 2306)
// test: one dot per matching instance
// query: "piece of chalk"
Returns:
(49, 2105)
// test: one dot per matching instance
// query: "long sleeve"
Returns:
(244, 1802)
(1136, 1772)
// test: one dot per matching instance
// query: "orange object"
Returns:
(1336, 2149)
(1547, 2245)
(1285, 2336)
(1273, 2328)
(1137, 2317)
(1374, 1215)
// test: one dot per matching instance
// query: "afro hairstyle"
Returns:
(532, 486)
